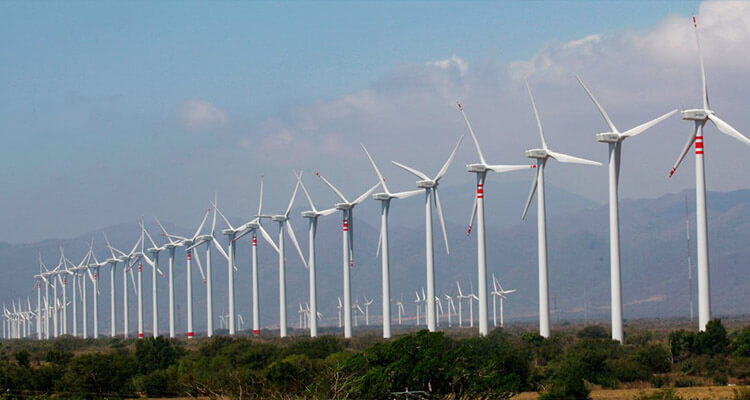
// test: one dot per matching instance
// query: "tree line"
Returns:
(564, 366)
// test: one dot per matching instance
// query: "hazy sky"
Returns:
(116, 110)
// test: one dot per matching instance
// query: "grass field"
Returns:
(701, 392)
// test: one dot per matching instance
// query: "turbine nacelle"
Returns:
(382, 196)
(479, 167)
(697, 114)
(344, 206)
(537, 153)
(309, 214)
(608, 137)
(279, 218)
(426, 184)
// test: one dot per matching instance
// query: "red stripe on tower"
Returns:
(255, 240)
(140, 267)
(140, 335)
(480, 191)
(256, 332)
(190, 334)
(346, 225)
(699, 145)
(188, 255)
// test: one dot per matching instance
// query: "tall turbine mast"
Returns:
(700, 116)
(480, 169)
(614, 139)
(542, 155)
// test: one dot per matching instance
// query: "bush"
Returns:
(593, 332)
(663, 394)
(713, 340)
(154, 353)
(95, 375)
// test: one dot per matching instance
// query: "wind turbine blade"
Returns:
(531, 193)
(153, 244)
(364, 195)
(727, 129)
(473, 136)
(640, 128)
(149, 261)
(494, 283)
(330, 185)
(564, 158)
(213, 219)
(200, 265)
(509, 168)
(163, 231)
(448, 162)
(442, 220)
(509, 291)
(291, 201)
(381, 179)
(221, 214)
(132, 280)
(419, 174)
(290, 231)
(704, 86)
(685, 149)
(473, 215)
(218, 247)
(380, 241)
(598, 106)
(536, 114)
(460, 293)
(304, 190)
(407, 194)
(327, 212)
(260, 197)
(268, 238)
(200, 227)
(109, 246)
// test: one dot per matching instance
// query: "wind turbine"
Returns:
(128, 261)
(209, 239)
(95, 284)
(502, 294)
(385, 205)
(253, 226)
(541, 155)
(471, 296)
(460, 297)
(356, 307)
(367, 310)
(700, 116)
(285, 225)
(347, 212)
(188, 243)
(339, 307)
(614, 139)
(430, 186)
(480, 169)
(312, 216)
(401, 310)
(450, 307)
(155, 250)
(418, 302)
(171, 245)
(230, 254)
(112, 261)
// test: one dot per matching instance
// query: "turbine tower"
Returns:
(347, 212)
(430, 186)
(614, 139)
(480, 169)
(385, 204)
(285, 226)
(541, 155)
(699, 117)
(312, 216)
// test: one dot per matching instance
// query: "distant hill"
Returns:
(654, 259)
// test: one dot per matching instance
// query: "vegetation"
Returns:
(564, 366)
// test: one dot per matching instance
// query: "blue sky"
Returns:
(99, 96)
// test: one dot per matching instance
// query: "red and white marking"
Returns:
(346, 225)
(480, 193)
(699, 145)
(255, 241)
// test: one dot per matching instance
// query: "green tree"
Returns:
(154, 353)
(713, 340)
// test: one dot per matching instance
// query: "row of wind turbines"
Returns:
(428, 186)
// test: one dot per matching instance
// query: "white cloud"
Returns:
(453, 63)
(197, 114)
(410, 114)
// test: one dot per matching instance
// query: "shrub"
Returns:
(593, 332)
(663, 394)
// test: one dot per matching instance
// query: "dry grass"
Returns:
(688, 393)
